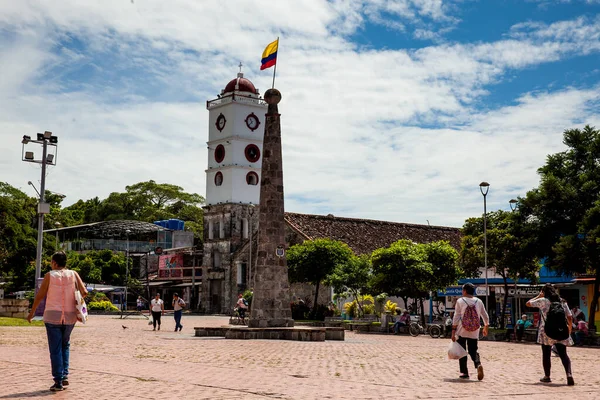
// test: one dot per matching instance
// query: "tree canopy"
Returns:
(565, 208)
(316, 260)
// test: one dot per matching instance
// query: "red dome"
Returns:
(243, 85)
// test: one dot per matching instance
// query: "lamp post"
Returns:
(513, 204)
(250, 214)
(57, 224)
(484, 187)
(45, 139)
(127, 269)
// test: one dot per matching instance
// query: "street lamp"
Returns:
(484, 187)
(45, 139)
(513, 204)
(57, 224)
(127, 269)
(251, 214)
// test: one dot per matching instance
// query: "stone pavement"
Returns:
(109, 362)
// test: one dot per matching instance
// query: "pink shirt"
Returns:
(60, 299)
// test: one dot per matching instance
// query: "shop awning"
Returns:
(188, 284)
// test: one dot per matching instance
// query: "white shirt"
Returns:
(459, 309)
(157, 305)
(178, 305)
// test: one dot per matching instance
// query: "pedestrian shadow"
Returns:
(37, 393)
(550, 384)
(458, 380)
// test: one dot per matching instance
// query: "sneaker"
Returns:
(480, 372)
(545, 380)
(464, 376)
(65, 382)
(57, 387)
(570, 381)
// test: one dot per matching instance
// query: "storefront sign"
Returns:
(526, 291)
(457, 291)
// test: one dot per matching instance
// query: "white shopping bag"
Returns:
(82, 314)
(456, 351)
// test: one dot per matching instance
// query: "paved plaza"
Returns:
(109, 362)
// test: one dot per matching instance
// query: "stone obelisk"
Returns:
(271, 300)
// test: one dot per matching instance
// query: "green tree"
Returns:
(315, 260)
(352, 277)
(565, 207)
(409, 269)
(18, 237)
(511, 254)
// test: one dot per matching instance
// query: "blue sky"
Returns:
(393, 109)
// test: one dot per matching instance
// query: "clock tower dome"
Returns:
(235, 137)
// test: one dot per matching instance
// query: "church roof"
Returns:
(366, 235)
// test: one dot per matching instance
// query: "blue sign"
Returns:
(451, 291)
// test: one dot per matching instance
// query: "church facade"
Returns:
(233, 174)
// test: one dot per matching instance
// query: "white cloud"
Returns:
(391, 134)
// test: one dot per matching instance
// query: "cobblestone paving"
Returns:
(109, 362)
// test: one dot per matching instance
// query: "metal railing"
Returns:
(114, 245)
(237, 98)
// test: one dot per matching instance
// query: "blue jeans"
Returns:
(177, 316)
(59, 342)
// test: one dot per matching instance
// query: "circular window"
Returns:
(219, 153)
(252, 153)
(218, 179)
(252, 178)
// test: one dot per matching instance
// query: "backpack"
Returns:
(555, 324)
(245, 302)
(470, 319)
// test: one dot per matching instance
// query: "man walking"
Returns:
(178, 305)
(157, 308)
(465, 328)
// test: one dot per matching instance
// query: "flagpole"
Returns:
(275, 69)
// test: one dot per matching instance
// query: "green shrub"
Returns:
(102, 306)
(95, 296)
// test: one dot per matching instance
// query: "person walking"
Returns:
(242, 307)
(157, 308)
(178, 305)
(140, 304)
(465, 328)
(555, 312)
(60, 315)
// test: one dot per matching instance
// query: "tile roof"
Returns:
(365, 235)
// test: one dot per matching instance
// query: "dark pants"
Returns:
(177, 316)
(59, 344)
(518, 333)
(562, 353)
(471, 346)
(156, 318)
(397, 326)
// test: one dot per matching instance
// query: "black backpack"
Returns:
(556, 322)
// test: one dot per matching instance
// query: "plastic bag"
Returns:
(456, 351)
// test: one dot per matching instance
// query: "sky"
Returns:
(391, 110)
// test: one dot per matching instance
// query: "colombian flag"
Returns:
(269, 56)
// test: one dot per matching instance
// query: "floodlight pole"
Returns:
(40, 238)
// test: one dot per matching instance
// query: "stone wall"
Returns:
(14, 308)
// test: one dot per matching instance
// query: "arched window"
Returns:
(252, 178)
(211, 227)
(216, 259)
(218, 178)
(245, 228)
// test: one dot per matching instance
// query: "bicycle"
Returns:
(236, 319)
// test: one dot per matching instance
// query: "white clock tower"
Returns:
(235, 136)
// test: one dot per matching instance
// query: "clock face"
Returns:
(220, 124)
(252, 122)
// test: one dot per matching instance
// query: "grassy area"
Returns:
(6, 321)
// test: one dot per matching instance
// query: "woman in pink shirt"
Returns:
(60, 315)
